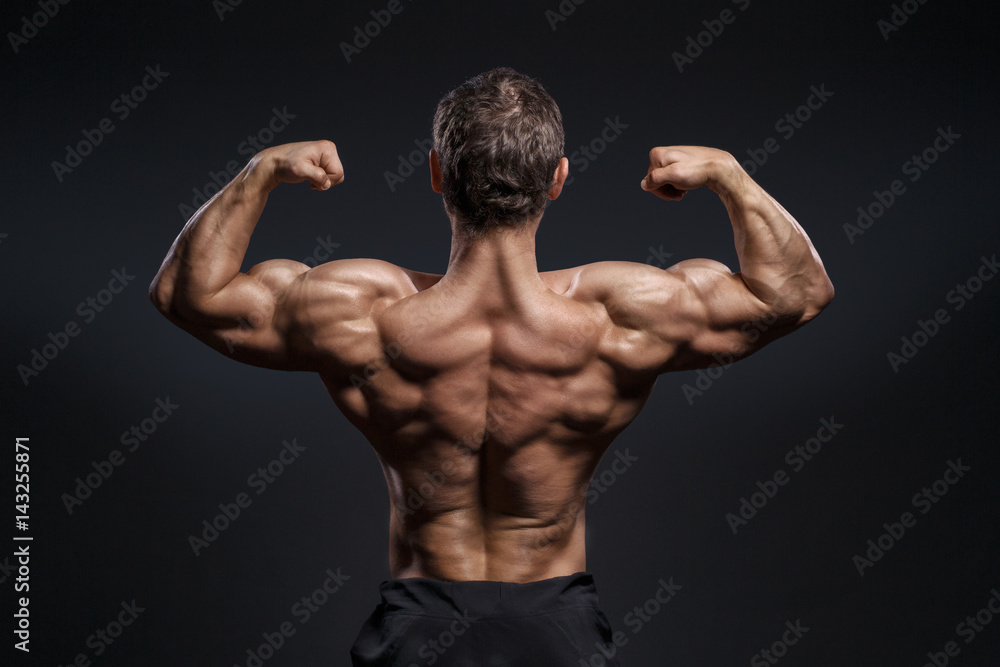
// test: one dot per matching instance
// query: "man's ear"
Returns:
(559, 179)
(435, 172)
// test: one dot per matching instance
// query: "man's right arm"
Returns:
(698, 313)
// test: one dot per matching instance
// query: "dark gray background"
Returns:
(665, 516)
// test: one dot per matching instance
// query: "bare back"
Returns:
(489, 417)
(490, 393)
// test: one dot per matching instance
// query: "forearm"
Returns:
(778, 262)
(209, 251)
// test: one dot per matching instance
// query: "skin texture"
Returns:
(490, 393)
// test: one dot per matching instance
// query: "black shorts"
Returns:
(421, 621)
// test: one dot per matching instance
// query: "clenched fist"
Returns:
(313, 161)
(673, 170)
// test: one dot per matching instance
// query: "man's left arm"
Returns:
(257, 316)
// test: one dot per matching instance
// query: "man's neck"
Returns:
(500, 264)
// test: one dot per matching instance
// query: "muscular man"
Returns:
(490, 393)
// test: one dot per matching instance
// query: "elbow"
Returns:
(172, 302)
(804, 302)
(818, 298)
(161, 295)
(824, 292)
(828, 291)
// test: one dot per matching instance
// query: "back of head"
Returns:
(499, 139)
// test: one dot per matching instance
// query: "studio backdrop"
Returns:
(830, 500)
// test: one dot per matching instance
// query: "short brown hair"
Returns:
(499, 138)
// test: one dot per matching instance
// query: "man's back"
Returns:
(489, 410)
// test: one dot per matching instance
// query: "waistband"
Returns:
(435, 597)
